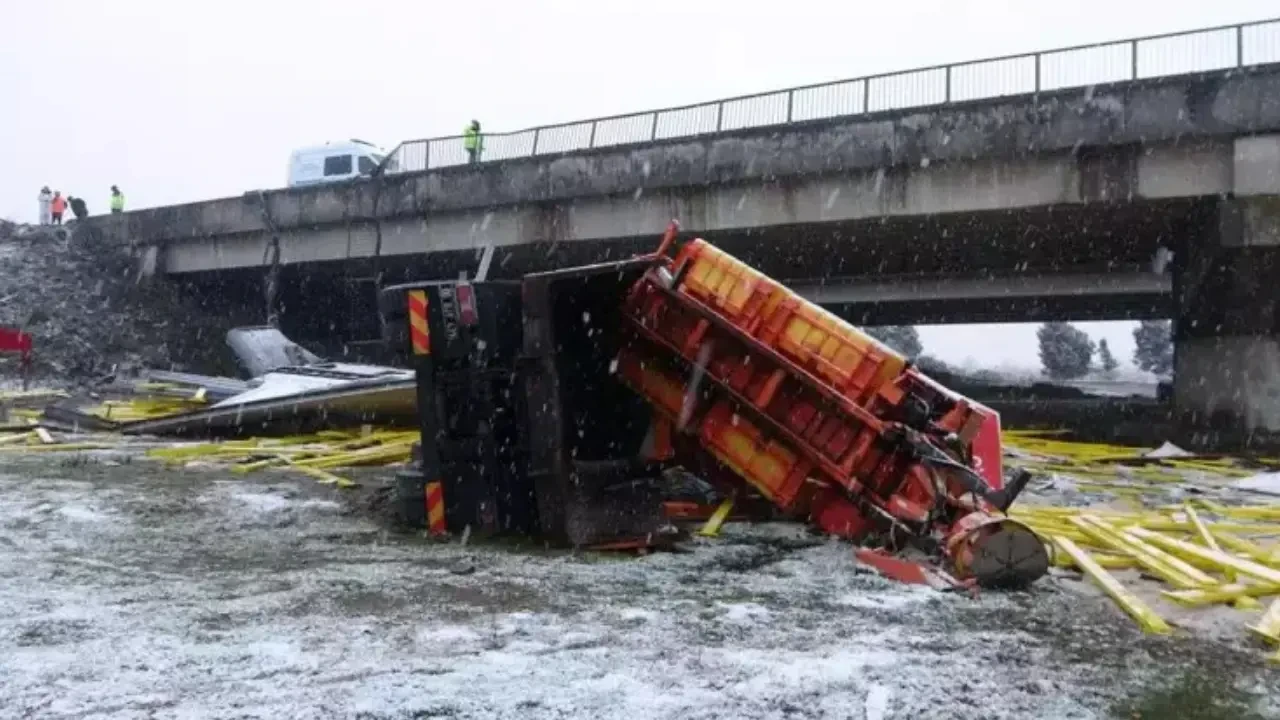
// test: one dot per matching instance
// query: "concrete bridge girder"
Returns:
(1191, 170)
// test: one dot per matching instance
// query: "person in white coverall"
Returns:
(45, 199)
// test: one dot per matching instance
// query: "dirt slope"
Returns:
(89, 312)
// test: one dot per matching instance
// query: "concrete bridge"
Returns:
(1054, 198)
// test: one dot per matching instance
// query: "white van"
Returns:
(333, 162)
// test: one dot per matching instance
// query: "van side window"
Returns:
(366, 165)
(337, 165)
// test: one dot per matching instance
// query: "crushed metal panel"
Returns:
(389, 403)
(260, 350)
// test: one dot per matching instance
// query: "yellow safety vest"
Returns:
(471, 138)
(117, 202)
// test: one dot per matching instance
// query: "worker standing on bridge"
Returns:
(57, 206)
(117, 200)
(473, 141)
(45, 197)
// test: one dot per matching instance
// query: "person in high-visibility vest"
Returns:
(57, 206)
(473, 141)
(117, 200)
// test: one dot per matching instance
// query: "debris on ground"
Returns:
(261, 349)
(138, 590)
(291, 391)
(1214, 548)
(40, 420)
(285, 401)
(297, 400)
(312, 455)
(1089, 469)
(1160, 562)
(150, 401)
(20, 409)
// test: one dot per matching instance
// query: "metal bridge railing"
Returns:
(1219, 48)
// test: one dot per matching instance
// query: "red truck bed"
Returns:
(816, 415)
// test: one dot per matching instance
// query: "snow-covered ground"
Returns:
(130, 590)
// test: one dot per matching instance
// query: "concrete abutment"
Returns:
(1227, 329)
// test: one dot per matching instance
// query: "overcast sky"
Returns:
(181, 101)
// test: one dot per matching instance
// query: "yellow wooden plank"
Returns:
(1220, 594)
(368, 456)
(1214, 527)
(1146, 618)
(1109, 561)
(327, 478)
(16, 438)
(1224, 560)
(1243, 602)
(1112, 488)
(1155, 561)
(1215, 469)
(1241, 546)
(280, 459)
(1184, 568)
(1059, 511)
(1069, 531)
(64, 447)
(1201, 530)
(712, 527)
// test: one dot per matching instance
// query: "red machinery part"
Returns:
(817, 416)
(988, 458)
(16, 341)
(904, 571)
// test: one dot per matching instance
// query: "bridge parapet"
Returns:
(1121, 61)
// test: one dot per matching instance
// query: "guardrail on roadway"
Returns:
(1209, 49)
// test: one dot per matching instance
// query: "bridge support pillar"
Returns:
(1227, 327)
(147, 259)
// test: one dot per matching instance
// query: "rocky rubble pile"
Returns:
(90, 314)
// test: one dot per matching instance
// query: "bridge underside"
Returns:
(1050, 263)
(1015, 308)
(1049, 239)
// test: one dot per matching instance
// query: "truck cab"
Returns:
(333, 162)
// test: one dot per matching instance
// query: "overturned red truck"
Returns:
(553, 405)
